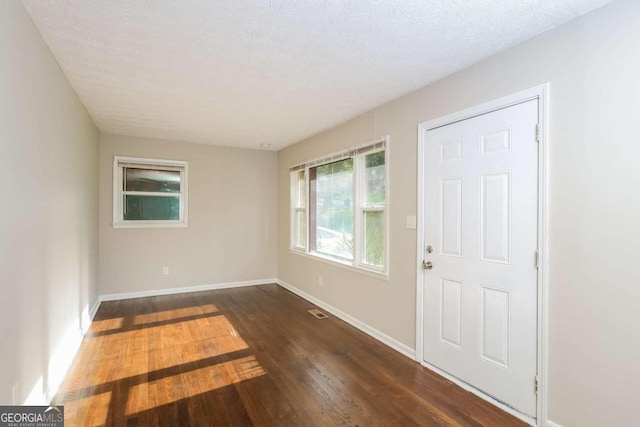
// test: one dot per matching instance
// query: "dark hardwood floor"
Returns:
(251, 356)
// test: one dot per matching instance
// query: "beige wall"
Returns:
(48, 220)
(232, 226)
(593, 65)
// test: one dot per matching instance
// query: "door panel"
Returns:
(495, 211)
(451, 312)
(481, 219)
(494, 330)
(452, 217)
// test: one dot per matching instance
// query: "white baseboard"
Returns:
(171, 291)
(552, 424)
(94, 309)
(369, 330)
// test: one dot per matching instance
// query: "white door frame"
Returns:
(541, 93)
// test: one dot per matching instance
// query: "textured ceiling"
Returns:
(250, 72)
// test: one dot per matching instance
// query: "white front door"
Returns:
(481, 226)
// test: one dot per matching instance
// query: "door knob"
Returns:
(427, 265)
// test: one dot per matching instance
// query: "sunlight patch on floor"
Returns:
(106, 325)
(89, 411)
(159, 316)
(163, 391)
(127, 354)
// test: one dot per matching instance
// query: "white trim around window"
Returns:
(301, 203)
(120, 163)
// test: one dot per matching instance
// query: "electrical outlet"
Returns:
(320, 281)
(165, 271)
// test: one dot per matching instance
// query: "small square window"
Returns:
(149, 192)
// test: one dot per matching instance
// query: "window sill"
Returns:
(345, 265)
(150, 224)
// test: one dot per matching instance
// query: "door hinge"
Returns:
(536, 384)
(537, 132)
(537, 259)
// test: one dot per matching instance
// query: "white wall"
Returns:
(593, 65)
(48, 219)
(232, 220)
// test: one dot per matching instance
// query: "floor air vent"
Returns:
(317, 313)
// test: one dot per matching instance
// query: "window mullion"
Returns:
(358, 236)
(294, 211)
(312, 212)
(304, 207)
(151, 194)
(307, 203)
(373, 208)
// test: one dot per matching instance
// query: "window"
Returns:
(149, 192)
(372, 208)
(338, 207)
(299, 203)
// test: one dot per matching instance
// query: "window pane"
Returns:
(151, 208)
(301, 229)
(333, 209)
(374, 238)
(151, 180)
(301, 196)
(375, 179)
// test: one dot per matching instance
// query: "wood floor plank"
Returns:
(251, 356)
